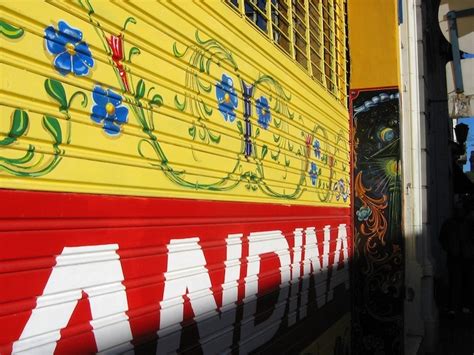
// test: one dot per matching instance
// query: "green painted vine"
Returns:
(201, 57)
(144, 103)
(35, 163)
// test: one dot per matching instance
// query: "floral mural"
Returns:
(263, 112)
(108, 110)
(313, 173)
(317, 148)
(226, 98)
(71, 54)
(259, 109)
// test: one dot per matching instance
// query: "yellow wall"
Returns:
(373, 43)
(184, 49)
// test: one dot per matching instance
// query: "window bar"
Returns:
(344, 52)
(269, 19)
(292, 35)
(344, 49)
(321, 47)
(308, 43)
(242, 8)
(333, 47)
(337, 47)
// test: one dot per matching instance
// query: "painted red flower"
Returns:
(308, 141)
(116, 45)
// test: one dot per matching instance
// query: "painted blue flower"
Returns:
(72, 54)
(341, 190)
(263, 112)
(317, 148)
(108, 108)
(363, 213)
(226, 98)
(313, 173)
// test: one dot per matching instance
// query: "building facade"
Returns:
(175, 176)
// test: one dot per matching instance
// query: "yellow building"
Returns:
(175, 175)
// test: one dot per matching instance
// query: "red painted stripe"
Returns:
(36, 226)
(33, 206)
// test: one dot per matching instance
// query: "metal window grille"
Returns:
(312, 32)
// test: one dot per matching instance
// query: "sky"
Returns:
(470, 139)
(470, 122)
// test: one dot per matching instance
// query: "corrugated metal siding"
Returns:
(92, 272)
(88, 272)
(184, 142)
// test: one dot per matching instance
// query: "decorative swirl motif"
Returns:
(378, 302)
(35, 163)
(266, 104)
(205, 53)
(375, 226)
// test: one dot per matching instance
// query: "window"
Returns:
(256, 12)
(281, 24)
(312, 32)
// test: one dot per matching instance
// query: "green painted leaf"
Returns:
(206, 108)
(275, 156)
(20, 122)
(192, 131)
(206, 88)
(30, 153)
(180, 106)
(10, 31)
(257, 132)
(133, 51)
(216, 138)
(240, 128)
(127, 21)
(77, 94)
(199, 40)
(53, 127)
(140, 89)
(56, 90)
(202, 134)
(149, 91)
(264, 151)
(156, 100)
(176, 51)
(201, 64)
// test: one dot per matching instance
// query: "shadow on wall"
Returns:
(305, 317)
